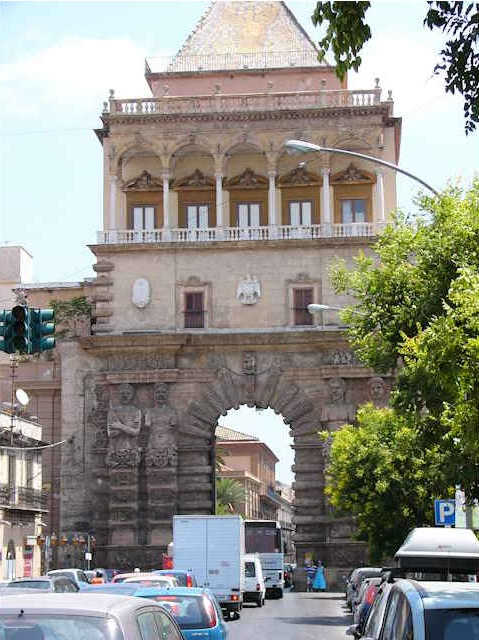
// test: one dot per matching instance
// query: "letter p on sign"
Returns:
(444, 511)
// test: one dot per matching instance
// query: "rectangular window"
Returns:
(143, 218)
(248, 214)
(300, 213)
(302, 297)
(194, 310)
(197, 216)
(29, 471)
(353, 210)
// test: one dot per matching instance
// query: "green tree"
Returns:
(417, 309)
(386, 473)
(230, 496)
(347, 31)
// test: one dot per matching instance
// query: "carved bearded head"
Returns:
(377, 389)
(337, 390)
(160, 393)
(126, 392)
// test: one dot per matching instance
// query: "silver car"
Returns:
(85, 615)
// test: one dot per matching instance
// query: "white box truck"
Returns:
(212, 547)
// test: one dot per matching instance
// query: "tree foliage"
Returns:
(348, 31)
(386, 473)
(417, 309)
(230, 496)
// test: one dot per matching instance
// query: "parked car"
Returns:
(372, 625)
(184, 578)
(355, 579)
(436, 610)
(78, 576)
(367, 593)
(55, 584)
(254, 584)
(152, 580)
(85, 615)
(196, 611)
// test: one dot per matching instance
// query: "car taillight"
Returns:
(210, 612)
(189, 581)
(258, 587)
(235, 597)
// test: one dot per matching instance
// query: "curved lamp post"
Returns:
(301, 146)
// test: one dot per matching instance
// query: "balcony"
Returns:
(231, 103)
(235, 234)
(23, 498)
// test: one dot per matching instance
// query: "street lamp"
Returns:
(301, 146)
(316, 308)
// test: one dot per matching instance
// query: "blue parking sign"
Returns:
(445, 513)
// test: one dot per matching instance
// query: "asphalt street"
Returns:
(298, 616)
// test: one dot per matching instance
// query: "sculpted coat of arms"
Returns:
(249, 290)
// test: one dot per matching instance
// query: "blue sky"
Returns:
(59, 59)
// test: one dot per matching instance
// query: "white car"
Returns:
(152, 580)
(52, 616)
(254, 584)
(78, 576)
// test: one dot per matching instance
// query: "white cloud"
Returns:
(72, 77)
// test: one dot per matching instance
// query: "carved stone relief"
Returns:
(248, 290)
(337, 411)
(161, 421)
(377, 392)
(141, 293)
(123, 424)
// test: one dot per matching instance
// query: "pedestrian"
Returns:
(310, 574)
(319, 582)
(98, 578)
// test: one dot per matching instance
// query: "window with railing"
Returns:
(301, 298)
(143, 218)
(353, 210)
(300, 213)
(197, 216)
(248, 214)
(194, 310)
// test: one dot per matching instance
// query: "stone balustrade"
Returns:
(221, 103)
(232, 234)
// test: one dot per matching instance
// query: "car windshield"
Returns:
(188, 611)
(63, 574)
(57, 627)
(31, 584)
(179, 577)
(149, 582)
(452, 624)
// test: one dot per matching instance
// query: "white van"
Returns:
(254, 585)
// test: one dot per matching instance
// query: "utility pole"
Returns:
(13, 365)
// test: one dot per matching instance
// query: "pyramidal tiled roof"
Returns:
(245, 34)
(224, 433)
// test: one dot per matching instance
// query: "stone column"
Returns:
(219, 204)
(272, 222)
(113, 183)
(166, 204)
(380, 217)
(325, 202)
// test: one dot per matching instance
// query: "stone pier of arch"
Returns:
(128, 500)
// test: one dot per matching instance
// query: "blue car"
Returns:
(196, 611)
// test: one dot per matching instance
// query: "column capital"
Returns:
(166, 174)
(113, 177)
(272, 173)
(379, 171)
(325, 171)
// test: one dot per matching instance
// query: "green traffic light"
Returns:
(41, 322)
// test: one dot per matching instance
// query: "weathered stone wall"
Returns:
(144, 410)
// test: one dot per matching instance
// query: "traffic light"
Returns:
(42, 328)
(19, 330)
(5, 331)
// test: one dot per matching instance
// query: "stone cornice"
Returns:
(242, 116)
(350, 241)
(264, 340)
